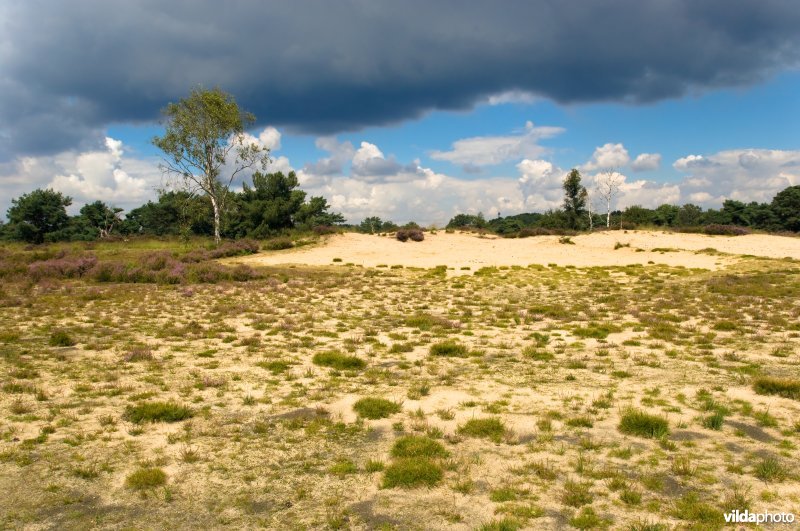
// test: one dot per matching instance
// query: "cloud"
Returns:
(70, 69)
(491, 150)
(740, 174)
(647, 162)
(104, 173)
(541, 183)
(607, 157)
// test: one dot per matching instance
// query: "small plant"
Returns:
(641, 424)
(714, 421)
(770, 469)
(146, 478)
(157, 412)
(506, 524)
(277, 244)
(449, 349)
(588, 519)
(343, 467)
(691, 508)
(337, 360)
(410, 473)
(785, 387)
(376, 408)
(60, 338)
(418, 446)
(487, 428)
(537, 354)
(576, 494)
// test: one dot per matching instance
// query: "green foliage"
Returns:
(641, 424)
(418, 446)
(690, 507)
(464, 221)
(146, 478)
(337, 360)
(157, 412)
(412, 472)
(39, 216)
(786, 207)
(376, 408)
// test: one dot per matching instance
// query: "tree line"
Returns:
(270, 205)
(576, 214)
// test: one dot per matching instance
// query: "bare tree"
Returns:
(607, 185)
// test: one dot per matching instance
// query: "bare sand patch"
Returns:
(461, 251)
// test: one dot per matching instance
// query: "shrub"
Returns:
(376, 408)
(785, 387)
(636, 422)
(409, 473)
(449, 349)
(725, 230)
(337, 360)
(278, 244)
(402, 235)
(527, 232)
(146, 478)
(416, 235)
(157, 412)
(61, 338)
(63, 267)
(418, 446)
(322, 230)
(487, 428)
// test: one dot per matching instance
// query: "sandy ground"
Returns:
(459, 251)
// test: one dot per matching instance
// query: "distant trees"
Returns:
(374, 224)
(786, 206)
(38, 216)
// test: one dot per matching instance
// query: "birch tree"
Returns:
(607, 185)
(205, 145)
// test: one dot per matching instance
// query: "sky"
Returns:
(413, 110)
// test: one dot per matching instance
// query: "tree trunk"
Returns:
(216, 219)
(608, 214)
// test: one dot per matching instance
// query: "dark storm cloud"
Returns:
(69, 68)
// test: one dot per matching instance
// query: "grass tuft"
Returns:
(418, 446)
(157, 412)
(411, 473)
(641, 424)
(146, 478)
(785, 387)
(449, 349)
(487, 428)
(337, 360)
(376, 408)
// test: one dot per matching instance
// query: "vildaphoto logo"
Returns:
(746, 517)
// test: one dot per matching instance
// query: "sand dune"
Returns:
(459, 251)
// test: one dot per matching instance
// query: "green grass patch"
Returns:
(157, 412)
(641, 424)
(376, 408)
(337, 360)
(418, 446)
(450, 349)
(785, 387)
(410, 473)
(146, 478)
(487, 428)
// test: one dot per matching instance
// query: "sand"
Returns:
(459, 251)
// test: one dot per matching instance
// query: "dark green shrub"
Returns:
(61, 338)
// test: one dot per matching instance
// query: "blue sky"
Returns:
(383, 112)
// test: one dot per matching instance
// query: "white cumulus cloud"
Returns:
(646, 162)
(493, 150)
